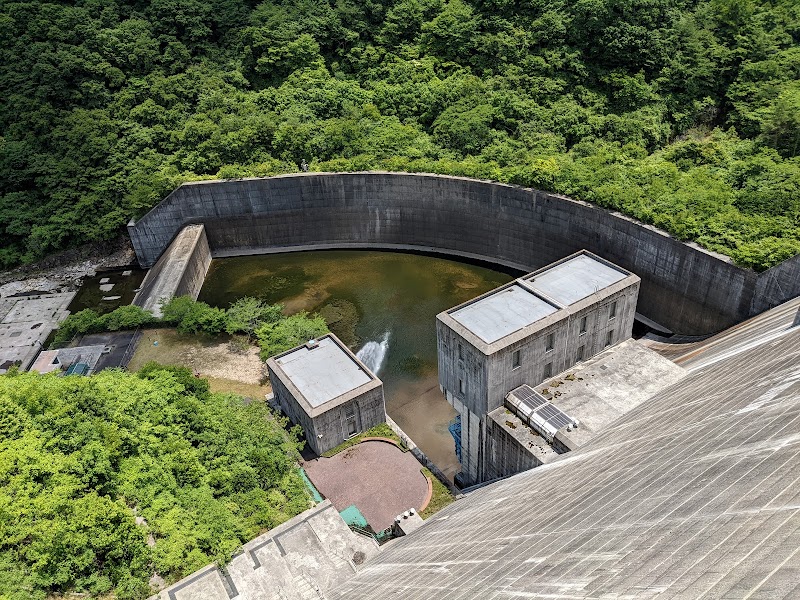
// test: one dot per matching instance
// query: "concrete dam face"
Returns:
(684, 288)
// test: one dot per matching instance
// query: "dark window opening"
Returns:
(350, 420)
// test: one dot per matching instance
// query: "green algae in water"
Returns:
(342, 318)
(269, 282)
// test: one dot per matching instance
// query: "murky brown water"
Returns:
(384, 306)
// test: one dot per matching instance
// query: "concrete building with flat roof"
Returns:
(325, 389)
(523, 333)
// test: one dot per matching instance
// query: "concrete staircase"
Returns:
(298, 560)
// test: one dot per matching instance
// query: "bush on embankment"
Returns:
(89, 321)
(274, 332)
(82, 457)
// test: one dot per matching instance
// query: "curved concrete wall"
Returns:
(685, 288)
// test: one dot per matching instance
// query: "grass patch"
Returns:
(381, 430)
(441, 496)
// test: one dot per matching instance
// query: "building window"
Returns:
(515, 359)
(579, 354)
(351, 427)
(548, 371)
(583, 324)
(460, 352)
(612, 312)
(609, 338)
(551, 341)
(460, 386)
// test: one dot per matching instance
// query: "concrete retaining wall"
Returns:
(180, 271)
(689, 290)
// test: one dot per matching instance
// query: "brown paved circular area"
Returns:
(378, 477)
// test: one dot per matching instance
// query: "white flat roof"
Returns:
(322, 373)
(502, 313)
(575, 279)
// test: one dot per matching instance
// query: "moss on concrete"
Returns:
(381, 430)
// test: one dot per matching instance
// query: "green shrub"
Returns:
(203, 318)
(174, 310)
(125, 317)
(88, 321)
(83, 321)
(190, 316)
(274, 338)
(246, 314)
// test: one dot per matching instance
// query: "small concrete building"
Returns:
(81, 360)
(523, 333)
(325, 389)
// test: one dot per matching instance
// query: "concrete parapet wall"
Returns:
(776, 285)
(180, 271)
(689, 290)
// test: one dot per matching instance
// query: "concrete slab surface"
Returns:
(695, 493)
(575, 279)
(599, 391)
(694, 355)
(25, 323)
(324, 372)
(120, 345)
(502, 313)
(297, 560)
(379, 478)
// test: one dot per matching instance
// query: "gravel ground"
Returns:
(210, 357)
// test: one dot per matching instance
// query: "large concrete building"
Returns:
(325, 389)
(523, 333)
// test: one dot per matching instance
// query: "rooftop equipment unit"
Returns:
(538, 413)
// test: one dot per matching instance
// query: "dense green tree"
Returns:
(287, 333)
(107, 106)
(246, 314)
(82, 457)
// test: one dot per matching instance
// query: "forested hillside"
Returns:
(82, 457)
(682, 113)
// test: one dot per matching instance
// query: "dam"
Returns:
(694, 489)
(684, 288)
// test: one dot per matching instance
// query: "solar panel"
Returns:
(529, 396)
(538, 412)
(554, 416)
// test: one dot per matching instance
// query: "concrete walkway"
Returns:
(378, 477)
(298, 560)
